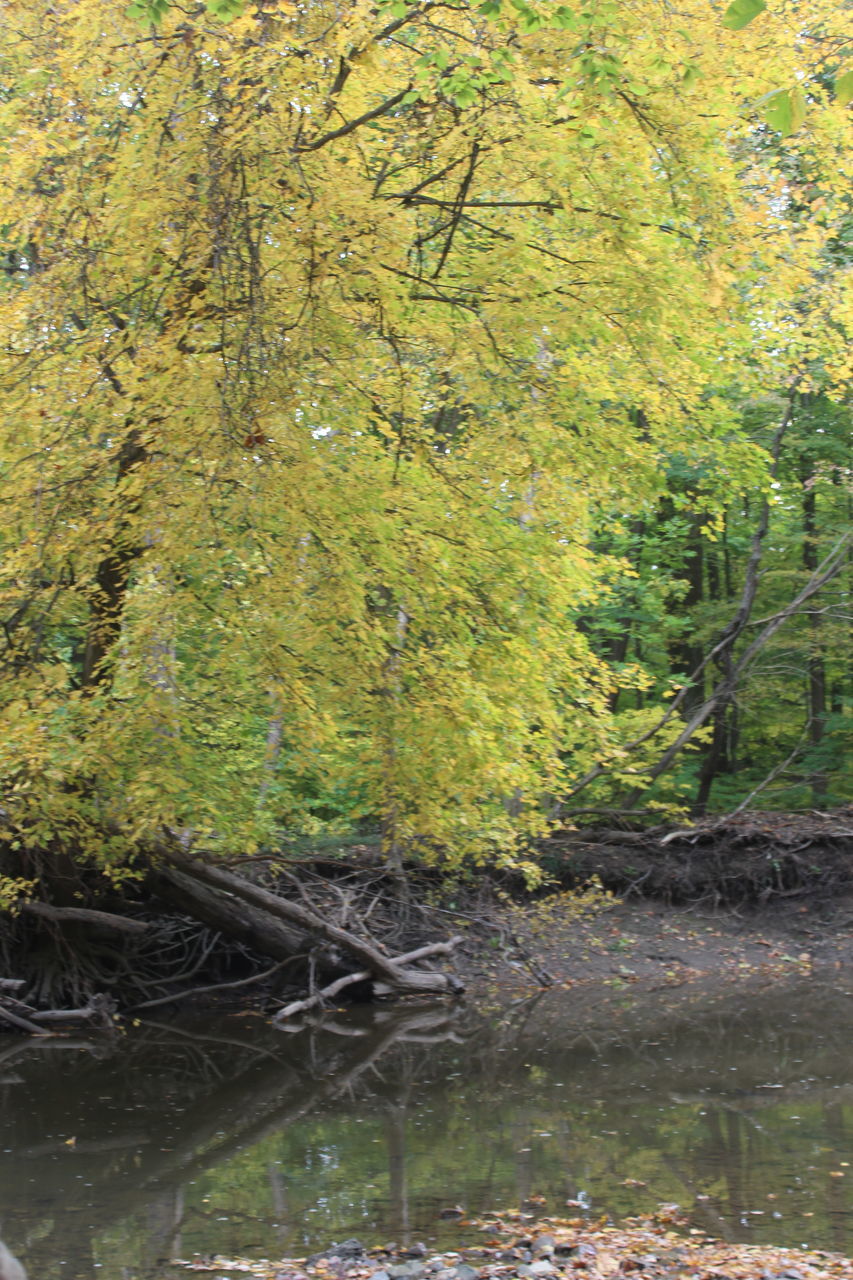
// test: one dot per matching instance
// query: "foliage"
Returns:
(328, 336)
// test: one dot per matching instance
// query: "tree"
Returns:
(325, 331)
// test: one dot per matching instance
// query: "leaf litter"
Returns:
(519, 1246)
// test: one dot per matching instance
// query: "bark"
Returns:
(238, 919)
(267, 921)
(98, 1012)
(362, 975)
(687, 653)
(112, 575)
(97, 921)
(816, 695)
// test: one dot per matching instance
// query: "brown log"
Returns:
(363, 975)
(222, 911)
(266, 904)
(99, 920)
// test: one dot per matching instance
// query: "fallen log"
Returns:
(272, 923)
(97, 921)
(18, 1020)
(363, 975)
(257, 929)
(97, 1012)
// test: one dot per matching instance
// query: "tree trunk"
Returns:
(816, 691)
(229, 915)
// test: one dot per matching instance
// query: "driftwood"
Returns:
(363, 975)
(99, 921)
(98, 1012)
(275, 917)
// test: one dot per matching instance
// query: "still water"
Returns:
(225, 1136)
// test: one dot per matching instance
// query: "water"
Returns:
(224, 1136)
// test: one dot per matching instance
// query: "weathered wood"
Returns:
(98, 1012)
(238, 919)
(266, 904)
(22, 1023)
(363, 975)
(92, 919)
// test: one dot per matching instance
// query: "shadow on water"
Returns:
(225, 1136)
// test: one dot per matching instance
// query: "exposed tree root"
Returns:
(197, 928)
(194, 928)
(394, 974)
(747, 859)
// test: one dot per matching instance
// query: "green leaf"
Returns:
(741, 12)
(465, 95)
(785, 110)
(844, 88)
(148, 10)
(564, 19)
(224, 9)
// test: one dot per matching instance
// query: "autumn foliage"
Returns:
(330, 334)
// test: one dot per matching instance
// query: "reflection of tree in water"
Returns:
(412, 1111)
(213, 1096)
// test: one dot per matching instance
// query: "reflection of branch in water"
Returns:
(21, 1048)
(268, 1093)
(701, 1207)
(194, 1035)
(795, 1091)
(266, 1112)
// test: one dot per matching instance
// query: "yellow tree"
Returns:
(323, 330)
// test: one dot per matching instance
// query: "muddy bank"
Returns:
(623, 944)
(749, 859)
(755, 894)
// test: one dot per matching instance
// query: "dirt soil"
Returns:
(646, 946)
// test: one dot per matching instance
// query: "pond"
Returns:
(222, 1135)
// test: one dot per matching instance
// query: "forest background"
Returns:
(426, 419)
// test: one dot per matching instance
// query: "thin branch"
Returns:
(459, 205)
(352, 125)
(192, 992)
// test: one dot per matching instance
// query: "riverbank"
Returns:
(522, 1248)
(750, 894)
(593, 940)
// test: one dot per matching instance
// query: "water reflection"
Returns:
(230, 1137)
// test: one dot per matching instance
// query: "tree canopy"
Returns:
(343, 348)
